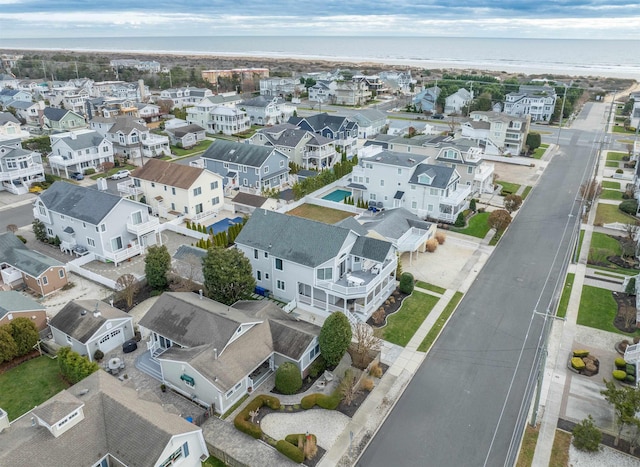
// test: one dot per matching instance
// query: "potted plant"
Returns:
(163, 387)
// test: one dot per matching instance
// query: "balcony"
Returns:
(483, 172)
(129, 189)
(33, 169)
(123, 255)
(457, 197)
(144, 227)
(68, 161)
(360, 283)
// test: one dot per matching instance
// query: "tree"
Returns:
(12, 228)
(499, 220)
(630, 206)
(626, 403)
(460, 221)
(348, 387)
(73, 366)
(288, 379)
(334, 338)
(512, 203)
(228, 276)
(365, 343)
(156, 265)
(534, 140)
(8, 347)
(586, 436)
(406, 282)
(590, 190)
(127, 286)
(39, 230)
(472, 205)
(25, 335)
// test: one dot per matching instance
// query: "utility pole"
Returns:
(77, 76)
(564, 98)
(44, 71)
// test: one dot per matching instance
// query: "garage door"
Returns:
(111, 340)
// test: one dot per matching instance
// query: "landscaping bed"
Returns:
(389, 308)
(625, 319)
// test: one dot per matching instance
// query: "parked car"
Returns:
(120, 174)
(438, 116)
(77, 176)
(129, 346)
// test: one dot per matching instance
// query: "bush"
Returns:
(375, 371)
(460, 222)
(472, 205)
(580, 353)
(619, 375)
(98, 355)
(620, 363)
(630, 379)
(619, 171)
(586, 436)
(406, 283)
(630, 206)
(73, 366)
(288, 379)
(577, 363)
(367, 384)
(292, 452)
(335, 337)
(21, 238)
(242, 422)
(440, 237)
(630, 369)
(317, 367)
(293, 439)
(326, 402)
(378, 316)
(89, 171)
(431, 245)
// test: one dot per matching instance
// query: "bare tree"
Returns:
(187, 269)
(12, 228)
(512, 203)
(127, 286)
(631, 230)
(348, 387)
(499, 220)
(365, 343)
(590, 190)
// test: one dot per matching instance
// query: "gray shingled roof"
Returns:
(441, 174)
(371, 248)
(54, 114)
(7, 117)
(82, 327)
(185, 130)
(12, 302)
(56, 408)
(248, 199)
(82, 140)
(82, 203)
(16, 153)
(396, 159)
(238, 153)
(261, 101)
(126, 125)
(23, 105)
(15, 253)
(324, 120)
(394, 223)
(292, 238)
(352, 224)
(185, 251)
(192, 321)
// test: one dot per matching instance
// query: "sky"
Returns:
(577, 19)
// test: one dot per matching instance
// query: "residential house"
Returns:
(404, 127)
(264, 110)
(19, 168)
(150, 113)
(131, 138)
(497, 133)
(77, 151)
(370, 122)
(322, 268)
(174, 189)
(397, 81)
(342, 130)
(8, 81)
(90, 325)
(428, 190)
(184, 97)
(426, 100)
(186, 136)
(58, 120)
(16, 305)
(218, 114)
(323, 91)
(353, 93)
(88, 221)
(537, 102)
(20, 266)
(454, 103)
(247, 165)
(218, 353)
(10, 128)
(30, 112)
(280, 87)
(9, 95)
(101, 422)
(148, 66)
(304, 148)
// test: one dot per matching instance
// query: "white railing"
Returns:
(129, 188)
(123, 255)
(632, 354)
(61, 161)
(204, 214)
(15, 189)
(144, 227)
(457, 197)
(19, 173)
(358, 290)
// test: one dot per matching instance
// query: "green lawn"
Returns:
(319, 213)
(620, 129)
(201, 146)
(477, 227)
(598, 310)
(213, 462)
(526, 191)
(611, 185)
(580, 244)
(616, 156)
(431, 287)
(508, 186)
(615, 164)
(112, 171)
(402, 325)
(538, 153)
(602, 245)
(528, 447)
(612, 194)
(566, 293)
(29, 384)
(434, 332)
(609, 213)
(614, 268)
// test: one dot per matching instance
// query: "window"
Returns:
(280, 284)
(173, 206)
(173, 457)
(259, 275)
(214, 185)
(153, 185)
(382, 182)
(324, 274)
(414, 205)
(258, 172)
(197, 191)
(372, 196)
(198, 208)
(50, 232)
(433, 191)
(255, 253)
(165, 188)
(45, 280)
(61, 273)
(266, 254)
(103, 227)
(186, 209)
(69, 339)
(266, 276)
(413, 187)
(266, 170)
(244, 169)
(281, 163)
(215, 200)
(315, 351)
(278, 264)
(116, 244)
(136, 218)
(91, 241)
(173, 190)
(43, 211)
(399, 171)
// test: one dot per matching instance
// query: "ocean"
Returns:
(575, 57)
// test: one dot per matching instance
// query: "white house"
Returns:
(537, 102)
(184, 97)
(19, 168)
(267, 110)
(454, 103)
(322, 268)
(370, 122)
(218, 117)
(131, 138)
(10, 127)
(77, 151)
(497, 133)
(186, 136)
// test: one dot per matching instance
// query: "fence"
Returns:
(183, 230)
(516, 160)
(75, 266)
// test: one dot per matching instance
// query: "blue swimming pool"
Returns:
(337, 195)
(223, 225)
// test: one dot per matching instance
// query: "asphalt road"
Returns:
(467, 400)
(20, 216)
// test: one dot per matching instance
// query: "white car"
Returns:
(120, 174)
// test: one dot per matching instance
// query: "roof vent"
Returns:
(83, 392)
(83, 312)
(96, 312)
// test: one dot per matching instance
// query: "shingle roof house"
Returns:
(323, 268)
(16, 305)
(99, 421)
(214, 353)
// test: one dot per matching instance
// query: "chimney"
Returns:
(96, 312)
(72, 135)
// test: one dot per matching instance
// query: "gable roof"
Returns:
(7, 117)
(81, 139)
(181, 131)
(292, 238)
(14, 302)
(79, 202)
(56, 408)
(168, 173)
(367, 116)
(352, 224)
(371, 248)
(323, 120)
(394, 223)
(396, 159)
(55, 114)
(15, 253)
(126, 125)
(261, 101)
(441, 174)
(116, 421)
(238, 153)
(247, 199)
(77, 318)
(184, 252)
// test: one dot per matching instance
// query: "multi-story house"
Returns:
(176, 190)
(323, 268)
(397, 81)
(354, 93)
(19, 168)
(150, 113)
(304, 148)
(57, 120)
(375, 85)
(454, 103)
(76, 151)
(323, 91)
(186, 136)
(426, 100)
(88, 221)
(10, 95)
(280, 87)
(430, 191)
(342, 130)
(30, 112)
(497, 133)
(267, 110)
(10, 127)
(370, 122)
(537, 102)
(218, 115)
(131, 138)
(247, 165)
(184, 97)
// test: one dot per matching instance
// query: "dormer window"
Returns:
(425, 179)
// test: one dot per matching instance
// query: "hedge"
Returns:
(580, 353)
(620, 363)
(578, 363)
(293, 439)
(619, 375)
(242, 423)
(292, 452)
(326, 402)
